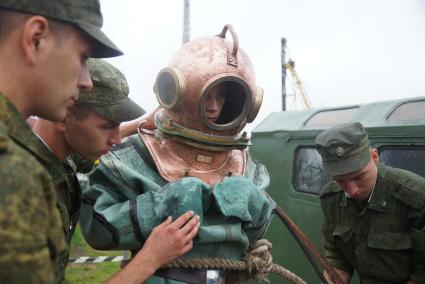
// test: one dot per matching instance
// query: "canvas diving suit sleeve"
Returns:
(259, 176)
(121, 207)
(107, 213)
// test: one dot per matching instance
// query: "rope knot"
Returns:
(259, 260)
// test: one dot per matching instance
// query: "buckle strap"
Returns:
(192, 276)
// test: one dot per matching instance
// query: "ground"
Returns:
(89, 273)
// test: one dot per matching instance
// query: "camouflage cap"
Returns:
(344, 148)
(85, 14)
(109, 95)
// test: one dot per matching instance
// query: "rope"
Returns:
(233, 265)
(257, 264)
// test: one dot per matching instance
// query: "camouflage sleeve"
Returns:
(332, 254)
(30, 231)
(417, 233)
(331, 251)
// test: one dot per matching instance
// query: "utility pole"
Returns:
(186, 22)
(283, 65)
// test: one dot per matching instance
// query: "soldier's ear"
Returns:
(35, 36)
(375, 155)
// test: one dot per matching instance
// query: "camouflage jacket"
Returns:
(63, 175)
(31, 238)
(128, 198)
(383, 241)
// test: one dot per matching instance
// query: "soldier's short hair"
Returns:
(10, 20)
(80, 112)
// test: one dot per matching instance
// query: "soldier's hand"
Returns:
(146, 121)
(169, 240)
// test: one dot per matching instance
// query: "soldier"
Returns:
(195, 159)
(43, 49)
(374, 214)
(90, 129)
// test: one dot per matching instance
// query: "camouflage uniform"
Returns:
(28, 235)
(381, 237)
(109, 92)
(31, 238)
(68, 190)
(384, 240)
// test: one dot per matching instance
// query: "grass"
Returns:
(89, 273)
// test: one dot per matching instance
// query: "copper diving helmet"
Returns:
(197, 69)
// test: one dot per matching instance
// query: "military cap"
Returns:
(344, 148)
(85, 14)
(109, 95)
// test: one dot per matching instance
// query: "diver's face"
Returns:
(214, 103)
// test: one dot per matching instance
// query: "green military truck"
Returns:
(284, 142)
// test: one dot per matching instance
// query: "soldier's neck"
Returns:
(54, 138)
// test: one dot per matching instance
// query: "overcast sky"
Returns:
(345, 51)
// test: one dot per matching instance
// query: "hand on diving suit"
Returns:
(167, 241)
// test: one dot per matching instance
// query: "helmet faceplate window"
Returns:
(237, 97)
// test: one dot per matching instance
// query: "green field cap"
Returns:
(109, 95)
(344, 148)
(85, 14)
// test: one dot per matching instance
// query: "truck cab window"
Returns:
(308, 172)
(408, 158)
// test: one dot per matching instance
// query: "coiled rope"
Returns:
(257, 264)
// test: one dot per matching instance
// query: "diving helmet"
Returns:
(205, 67)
